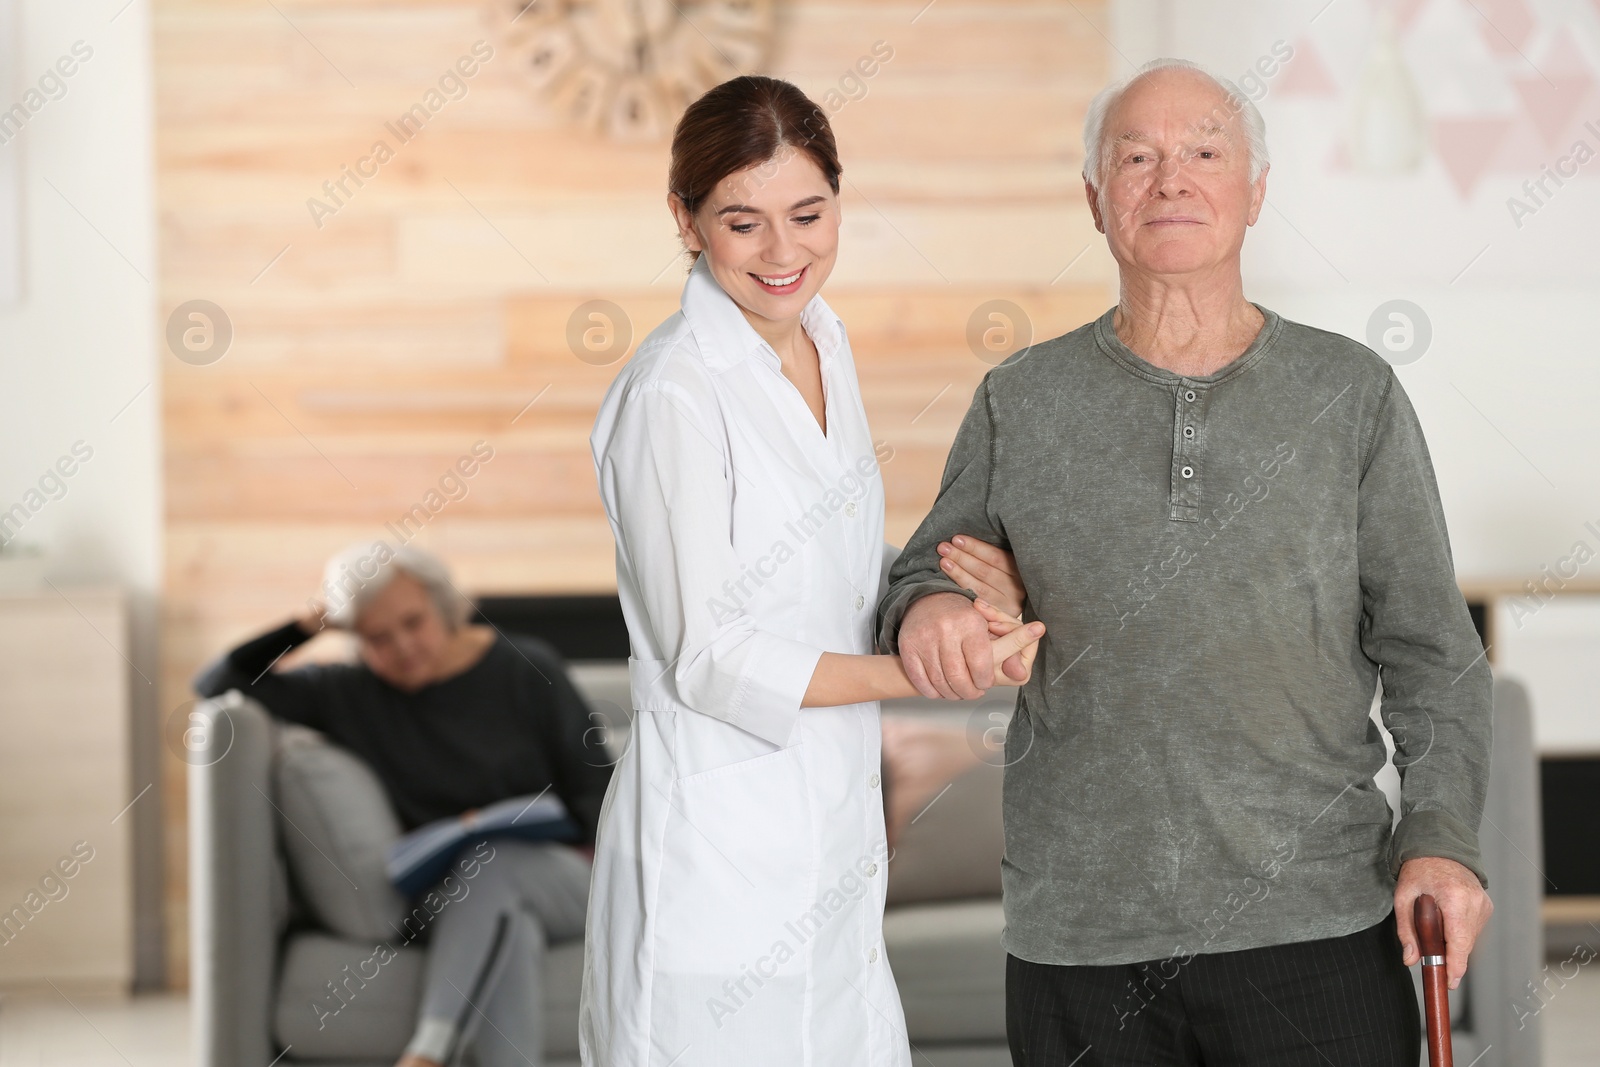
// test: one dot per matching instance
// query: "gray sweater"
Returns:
(1227, 565)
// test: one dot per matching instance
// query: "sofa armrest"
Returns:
(1502, 1007)
(232, 930)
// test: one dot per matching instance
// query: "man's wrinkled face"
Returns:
(1174, 194)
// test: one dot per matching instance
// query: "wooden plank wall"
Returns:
(372, 351)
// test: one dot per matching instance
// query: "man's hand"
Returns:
(944, 647)
(1462, 902)
(989, 571)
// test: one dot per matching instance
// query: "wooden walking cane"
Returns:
(1435, 982)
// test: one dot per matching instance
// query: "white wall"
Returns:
(1503, 388)
(1553, 645)
(78, 359)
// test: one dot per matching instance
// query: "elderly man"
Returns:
(1229, 523)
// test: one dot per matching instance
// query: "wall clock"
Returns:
(626, 69)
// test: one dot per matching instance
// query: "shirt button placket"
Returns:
(1189, 404)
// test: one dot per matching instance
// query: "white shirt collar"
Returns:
(726, 337)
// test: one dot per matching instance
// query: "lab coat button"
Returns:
(861, 602)
(872, 955)
(850, 508)
(873, 781)
(872, 869)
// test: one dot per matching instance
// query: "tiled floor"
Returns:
(1572, 1034)
(49, 1030)
(53, 1029)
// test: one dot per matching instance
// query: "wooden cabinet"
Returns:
(66, 888)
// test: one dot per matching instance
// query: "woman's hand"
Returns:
(314, 619)
(1013, 642)
(989, 571)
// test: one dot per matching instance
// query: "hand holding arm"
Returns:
(845, 679)
(988, 570)
(1018, 669)
(944, 642)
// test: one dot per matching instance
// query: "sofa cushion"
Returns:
(942, 811)
(347, 999)
(950, 968)
(336, 825)
(370, 1012)
(563, 977)
(921, 755)
(953, 850)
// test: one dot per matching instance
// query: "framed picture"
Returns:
(10, 157)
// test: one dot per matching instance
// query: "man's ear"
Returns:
(1093, 197)
(1258, 196)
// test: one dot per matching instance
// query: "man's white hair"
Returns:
(1242, 108)
(355, 575)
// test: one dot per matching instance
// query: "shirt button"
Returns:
(873, 781)
(861, 602)
(850, 508)
(1188, 431)
(872, 955)
(1187, 472)
(1189, 396)
(872, 869)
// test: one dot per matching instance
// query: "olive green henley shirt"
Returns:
(1227, 565)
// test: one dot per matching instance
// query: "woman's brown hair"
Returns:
(741, 123)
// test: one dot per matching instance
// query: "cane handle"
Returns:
(1435, 979)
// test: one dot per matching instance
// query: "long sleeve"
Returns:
(674, 517)
(962, 507)
(1436, 681)
(580, 766)
(890, 554)
(297, 695)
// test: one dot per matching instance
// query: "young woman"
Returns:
(736, 909)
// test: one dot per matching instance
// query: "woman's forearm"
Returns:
(844, 679)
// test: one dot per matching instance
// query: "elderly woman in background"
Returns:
(451, 717)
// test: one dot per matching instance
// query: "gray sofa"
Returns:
(256, 962)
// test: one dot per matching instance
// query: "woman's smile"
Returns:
(782, 283)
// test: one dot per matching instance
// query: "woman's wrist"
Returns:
(841, 678)
(896, 683)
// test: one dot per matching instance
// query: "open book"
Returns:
(422, 857)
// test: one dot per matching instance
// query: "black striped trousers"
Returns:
(1334, 1002)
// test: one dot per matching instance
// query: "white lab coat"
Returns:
(736, 912)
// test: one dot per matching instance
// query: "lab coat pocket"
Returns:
(737, 863)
